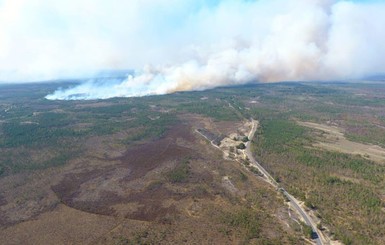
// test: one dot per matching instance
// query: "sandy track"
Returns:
(333, 139)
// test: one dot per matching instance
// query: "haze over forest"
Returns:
(188, 45)
(192, 122)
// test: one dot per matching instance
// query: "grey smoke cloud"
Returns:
(191, 45)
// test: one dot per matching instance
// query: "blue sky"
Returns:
(192, 44)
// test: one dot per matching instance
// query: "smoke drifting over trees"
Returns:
(189, 45)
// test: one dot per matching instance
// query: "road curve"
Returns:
(293, 201)
(268, 178)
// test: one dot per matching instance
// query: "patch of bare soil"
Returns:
(227, 128)
(62, 225)
(3, 218)
(130, 198)
(151, 204)
(107, 147)
(69, 188)
(230, 143)
(220, 128)
(3, 201)
(147, 157)
(99, 189)
(333, 139)
(24, 198)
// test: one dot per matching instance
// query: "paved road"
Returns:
(268, 178)
(254, 162)
(316, 235)
(271, 180)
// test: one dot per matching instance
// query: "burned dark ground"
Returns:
(134, 170)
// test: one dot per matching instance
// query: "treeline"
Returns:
(220, 111)
(17, 134)
(339, 186)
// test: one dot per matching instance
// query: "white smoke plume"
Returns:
(190, 45)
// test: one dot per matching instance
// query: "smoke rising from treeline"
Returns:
(189, 45)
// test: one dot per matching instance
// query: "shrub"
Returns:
(245, 139)
(241, 146)
(180, 173)
(245, 219)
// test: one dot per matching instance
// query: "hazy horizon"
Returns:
(190, 45)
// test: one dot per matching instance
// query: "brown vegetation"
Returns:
(165, 191)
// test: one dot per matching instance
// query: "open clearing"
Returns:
(171, 190)
(332, 138)
(137, 171)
